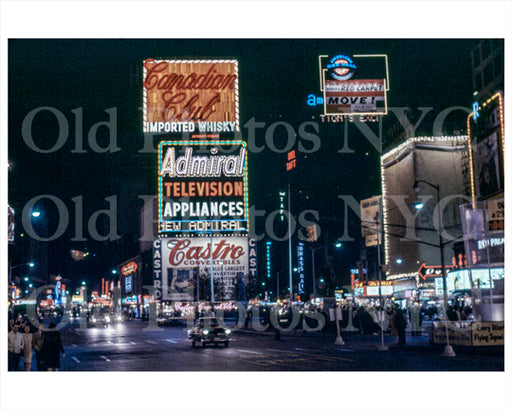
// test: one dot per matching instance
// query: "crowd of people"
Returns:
(24, 340)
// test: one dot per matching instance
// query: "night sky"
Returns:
(83, 78)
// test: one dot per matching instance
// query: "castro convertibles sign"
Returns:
(202, 186)
(180, 260)
(198, 96)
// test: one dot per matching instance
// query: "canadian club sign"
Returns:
(197, 96)
(202, 187)
(181, 260)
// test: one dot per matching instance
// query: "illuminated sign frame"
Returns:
(241, 225)
(385, 84)
(203, 97)
(476, 115)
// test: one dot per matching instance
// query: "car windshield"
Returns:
(208, 322)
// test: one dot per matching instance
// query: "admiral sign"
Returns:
(345, 94)
(190, 96)
(202, 187)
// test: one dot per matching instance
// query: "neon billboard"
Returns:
(355, 86)
(196, 96)
(202, 187)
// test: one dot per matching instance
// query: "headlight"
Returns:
(228, 331)
(205, 332)
(107, 319)
(93, 320)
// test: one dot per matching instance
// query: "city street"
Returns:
(134, 346)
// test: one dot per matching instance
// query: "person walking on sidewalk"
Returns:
(28, 348)
(52, 347)
(400, 325)
(15, 345)
(37, 342)
(392, 326)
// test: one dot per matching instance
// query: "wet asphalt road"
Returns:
(136, 346)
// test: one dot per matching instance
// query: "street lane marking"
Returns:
(74, 345)
(151, 341)
(75, 359)
(105, 358)
(109, 342)
(133, 343)
(249, 351)
(171, 341)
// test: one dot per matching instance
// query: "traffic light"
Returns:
(312, 233)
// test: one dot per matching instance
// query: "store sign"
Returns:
(181, 259)
(300, 267)
(157, 270)
(129, 268)
(496, 214)
(196, 96)
(128, 284)
(202, 187)
(291, 160)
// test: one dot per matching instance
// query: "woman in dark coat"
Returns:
(52, 348)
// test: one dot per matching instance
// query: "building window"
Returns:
(488, 74)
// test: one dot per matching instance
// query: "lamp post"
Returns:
(30, 264)
(382, 346)
(313, 250)
(448, 350)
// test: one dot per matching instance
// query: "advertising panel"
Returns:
(370, 219)
(355, 96)
(183, 259)
(196, 96)
(131, 275)
(355, 85)
(484, 236)
(300, 267)
(486, 133)
(202, 187)
(470, 334)
(11, 224)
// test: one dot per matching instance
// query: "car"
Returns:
(99, 319)
(208, 330)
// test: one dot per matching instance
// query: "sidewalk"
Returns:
(357, 341)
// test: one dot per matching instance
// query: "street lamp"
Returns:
(29, 264)
(448, 350)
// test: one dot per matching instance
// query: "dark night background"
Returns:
(275, 79)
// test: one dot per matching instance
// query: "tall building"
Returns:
(411, 234)
(487, 68)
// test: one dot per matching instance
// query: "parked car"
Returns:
(208, 330)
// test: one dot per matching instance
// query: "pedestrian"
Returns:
(28, 348)
(392, 326)
(37, 342)
(400, 325)
(15, 347)
(52, 347)
(415, 318)
(452, 314)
